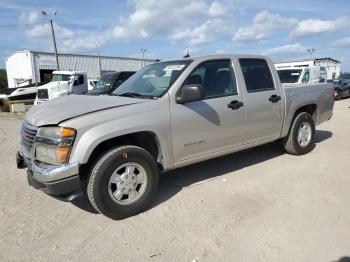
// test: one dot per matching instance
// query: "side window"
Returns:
(79, 80)
(306, 77)
(216, 77)
(257, 75)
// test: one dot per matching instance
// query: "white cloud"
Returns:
(44, 30)
(196, 22)
(29, 18)
(203, 33)
(316, 27)
(263, 25)
(343, 42)
(286, 50)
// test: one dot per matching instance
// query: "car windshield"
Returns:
(345, 76)
(153, 80)
(104, 84)
(289, 76)
(61, 77)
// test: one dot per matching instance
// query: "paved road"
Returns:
(256, 205)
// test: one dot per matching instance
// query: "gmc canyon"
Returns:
(168, 115)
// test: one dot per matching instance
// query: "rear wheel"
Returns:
(301, 137)
(123, 182)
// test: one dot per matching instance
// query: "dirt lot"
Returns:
(256, 205)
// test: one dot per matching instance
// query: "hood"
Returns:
(67, 107)
(57, 87)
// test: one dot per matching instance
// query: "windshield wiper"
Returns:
(135, 95)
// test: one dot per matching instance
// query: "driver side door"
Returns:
(208, 126)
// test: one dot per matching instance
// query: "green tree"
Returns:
(3, 78)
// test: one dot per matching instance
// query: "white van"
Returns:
(62, 83)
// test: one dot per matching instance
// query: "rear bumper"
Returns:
(54, 180)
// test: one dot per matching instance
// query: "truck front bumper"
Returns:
(54, 180)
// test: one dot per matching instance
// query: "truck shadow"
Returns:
(174, 181)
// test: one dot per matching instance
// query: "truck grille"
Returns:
(43, 93)
(28, 134)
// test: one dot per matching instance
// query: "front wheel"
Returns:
(123, 182)
(301, 137)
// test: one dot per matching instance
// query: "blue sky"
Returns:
(283, 30)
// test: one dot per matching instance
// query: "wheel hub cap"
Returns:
(127, 183)
(304, 134)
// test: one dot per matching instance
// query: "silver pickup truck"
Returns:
(168, 115)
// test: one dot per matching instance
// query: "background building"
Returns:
(30, 67)
(332, 66)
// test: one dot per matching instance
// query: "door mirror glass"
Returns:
(190, 93)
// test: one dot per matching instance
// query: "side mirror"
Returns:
(190, 93)
(75, 83)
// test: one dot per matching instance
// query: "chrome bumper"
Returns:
(53, 173)
(54, 180)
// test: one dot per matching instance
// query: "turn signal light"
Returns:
(62, 154)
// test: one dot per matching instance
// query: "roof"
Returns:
(66, 54)
(309, 60)
(328, 58)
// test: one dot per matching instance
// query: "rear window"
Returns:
(257, 75)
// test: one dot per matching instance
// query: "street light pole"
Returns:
(143, 50)
(53, 36)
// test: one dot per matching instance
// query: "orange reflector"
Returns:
(67, 132)
(62, 154)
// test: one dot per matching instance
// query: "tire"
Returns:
(100, 188)
(291, 143)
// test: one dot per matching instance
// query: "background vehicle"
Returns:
(342, 91)
(92, 83)
(343, 80)
(302, 75)
(168, 115)
(109, 82)
(63, 83)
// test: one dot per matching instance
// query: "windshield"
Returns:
(104, 84)
(60, 77)
(289, 76)
(345, 76)
(153, 80)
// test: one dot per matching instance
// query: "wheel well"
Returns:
(311, 109)
(146, 140)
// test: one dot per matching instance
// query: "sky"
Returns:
(283, 30)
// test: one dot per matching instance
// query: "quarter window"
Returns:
(216, 77)
(257, 75)
(306, 77)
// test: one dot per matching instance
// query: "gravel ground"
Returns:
(256, 205)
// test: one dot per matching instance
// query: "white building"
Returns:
(332, 66)
(30, 67)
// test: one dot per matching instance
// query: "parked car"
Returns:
(62, 83)
(342, 91)
(343, 79)
(168, 115)
(109, 82)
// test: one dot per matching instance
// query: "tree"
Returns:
(3, 78)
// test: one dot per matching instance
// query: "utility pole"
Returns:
(143, 50)
(99, 60)
(53, 35)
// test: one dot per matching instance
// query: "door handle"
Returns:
(234, 105)
(274, 98)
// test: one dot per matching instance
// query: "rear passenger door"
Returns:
(264, 101)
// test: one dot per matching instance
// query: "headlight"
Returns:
(53, 144)
(56, 132)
